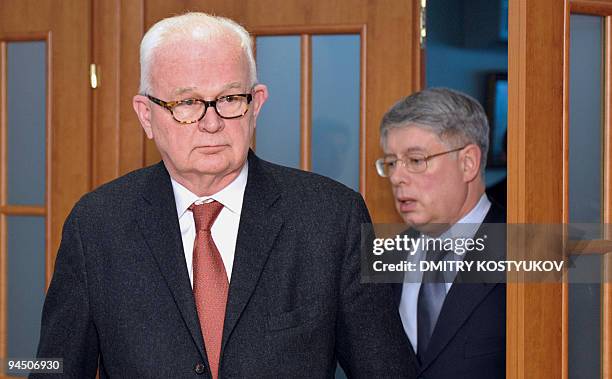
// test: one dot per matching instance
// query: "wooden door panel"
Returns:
(118, 141)
(64, 26)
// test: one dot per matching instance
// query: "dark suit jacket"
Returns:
(121, 298)
(469, 340)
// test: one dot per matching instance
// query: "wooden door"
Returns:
(390, 69)
(539, 142)
(58, 34)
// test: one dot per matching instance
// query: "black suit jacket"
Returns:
(120, 296)
(469, 339)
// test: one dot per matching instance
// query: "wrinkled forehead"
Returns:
(411, 137)
(173, 49)
(187, 63)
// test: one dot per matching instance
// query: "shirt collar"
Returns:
(231, 196)
(478, 213)
(468, 225)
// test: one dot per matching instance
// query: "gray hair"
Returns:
(195, 26)
(453, 116)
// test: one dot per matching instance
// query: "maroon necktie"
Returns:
(210, 284)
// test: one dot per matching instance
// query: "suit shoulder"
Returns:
(119, 190)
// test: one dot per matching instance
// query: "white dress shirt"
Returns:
(225, 228)
(410, 290)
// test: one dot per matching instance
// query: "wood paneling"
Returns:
(536, 168)
(418, 70)
(383, 92)
(591, 7)
(118, 140)
(281, 30)
(69, 132)
(22, 210)
(363, 135)
(305, 102)
(131, 137)
(106, 99)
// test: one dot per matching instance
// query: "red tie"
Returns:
(210, 284)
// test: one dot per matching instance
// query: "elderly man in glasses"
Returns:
(213, 262)
(435, 144)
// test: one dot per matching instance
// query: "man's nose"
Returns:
(399, 176)
(211, 122)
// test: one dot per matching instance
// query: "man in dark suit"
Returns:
(435, 144)
(213, 262)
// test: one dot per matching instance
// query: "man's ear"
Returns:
(142, 108)
(470, 162)
(260, 95)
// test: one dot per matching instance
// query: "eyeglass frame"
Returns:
(426, 158)
(170, 105)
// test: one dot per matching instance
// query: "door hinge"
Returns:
(423, 24)
(94, 80)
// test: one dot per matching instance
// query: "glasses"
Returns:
(415, 163)
(189, 111)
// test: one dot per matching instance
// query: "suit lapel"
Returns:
(458, 305)
(160, 228)
(259, 226)
(463, 298)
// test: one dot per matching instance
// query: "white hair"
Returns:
(194, 26)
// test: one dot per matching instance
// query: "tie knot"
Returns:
(205, 214)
